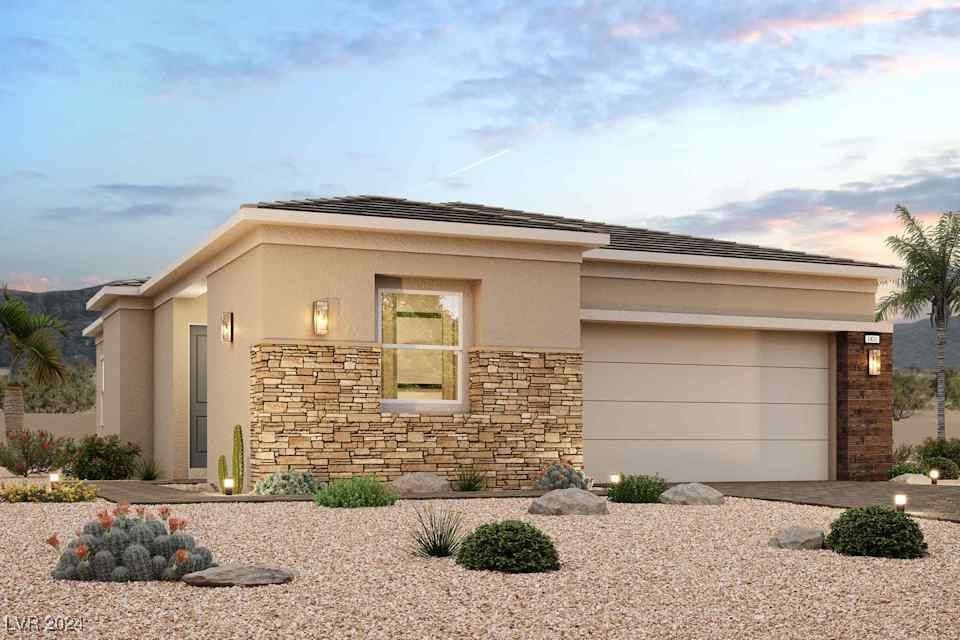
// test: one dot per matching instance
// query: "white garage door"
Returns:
(697, 404)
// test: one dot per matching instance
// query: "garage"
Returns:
(706, 404)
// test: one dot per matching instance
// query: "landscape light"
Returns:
(615, 478)
(900, 500)
(934, 476)
(228, 486)
(54, 477)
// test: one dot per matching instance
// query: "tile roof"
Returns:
(621, 237)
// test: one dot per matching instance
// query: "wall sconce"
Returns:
(226, 326)
(873, 362)
(321, 317)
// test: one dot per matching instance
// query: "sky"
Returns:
(130, 130)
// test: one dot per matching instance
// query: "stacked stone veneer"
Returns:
(864, 409)
(317, 408)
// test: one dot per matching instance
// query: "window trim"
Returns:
(399, 404)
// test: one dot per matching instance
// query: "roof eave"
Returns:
(107, 294)
(93, 329)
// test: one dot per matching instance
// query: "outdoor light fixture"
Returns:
(226, 326)
(900, 501)
(615, 478)
(321, 317)
(228, 486)
(54, 478)
(873, 362)
(934, 476)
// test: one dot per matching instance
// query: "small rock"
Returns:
(420, 482)
(572, 501)
(238, 575)
(911, 478)
(798, 538)
(691, 493)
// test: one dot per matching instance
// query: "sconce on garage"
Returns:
(321, 317)
(873, 362)
(226, 326)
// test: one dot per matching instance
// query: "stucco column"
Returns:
(864, 408)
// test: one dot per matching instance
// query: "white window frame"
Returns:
(400, 404)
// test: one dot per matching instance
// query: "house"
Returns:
(378, 335)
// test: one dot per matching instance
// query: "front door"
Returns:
(198, 397)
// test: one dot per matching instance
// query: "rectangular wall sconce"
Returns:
(321, 317)
(873, 362)
(226, 326)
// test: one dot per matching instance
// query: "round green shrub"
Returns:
(286, 483)
(949, 470)
(905, 467)
(876, 531)
(361, 491)
(934, 448)
(510, 546)
(637, 489)
(560, 475)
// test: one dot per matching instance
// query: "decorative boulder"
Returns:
(238, 575)
(691, 493)
(798, 538)
(572, 501)
(911, 478)
(420, 482)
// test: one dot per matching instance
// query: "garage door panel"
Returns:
(689, 461)
(653, 344)
(672, 420)
(703, 383)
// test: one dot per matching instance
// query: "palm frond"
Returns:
(39, 355)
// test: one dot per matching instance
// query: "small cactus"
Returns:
(170, 574)
(238, 461)
(116, 540)
(137, 559)
(84, 570)
(159, 564)
(120, 574)
(182, 541)
(560, 476)
(93, 528)
(141, 533)
(204, 553)
(221, 471)
(103, 565)
(157, 527)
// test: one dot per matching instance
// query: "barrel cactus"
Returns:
(286, 483)
(560, 476)
(120, 547)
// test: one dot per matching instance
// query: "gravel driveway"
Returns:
(643, 571)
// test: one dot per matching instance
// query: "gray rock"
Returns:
(238, 575)
(420, 482)
(691, 493)
(798, 538)
(911, 478)
(572, 501)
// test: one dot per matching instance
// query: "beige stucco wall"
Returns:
(128, 360)
(729, 292)
(172, 321)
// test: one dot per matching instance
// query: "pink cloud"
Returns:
(653, 25)
(28, 282)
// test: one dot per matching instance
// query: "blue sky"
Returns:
(129, 131)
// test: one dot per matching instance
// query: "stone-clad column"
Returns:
(864, 409)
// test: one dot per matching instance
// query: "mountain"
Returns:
(69, 307)
(913, 346)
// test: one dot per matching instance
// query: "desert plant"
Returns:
(905, 467)
(438, 532)
(286, 483)
(60, 492)
(949, 470)
(221, 471)
(903, 453)
(360, 491)
(911, 393)
(28, 452)
(510, 546)
(876, 531)
(75, 393)
(936, 448)
(238, 469)
(469, 479)
(101, 458)
(637, 488)
(148, 470)
(560, 475)
(119, 547)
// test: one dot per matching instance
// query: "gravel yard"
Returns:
(643, 571)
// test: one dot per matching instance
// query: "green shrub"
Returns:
(560, 475)
(101, 458)
(903, 453)
(949, 470)
(362, 491)
(286, 483)
(906, 467)
(148, 470)
(636, 489)
(933, 448)
(60, 492)
(469, 479)
(438, 533)
(28, 452)
(510, 546)
(876, 531)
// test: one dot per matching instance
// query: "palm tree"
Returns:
(929, 282)
(34, 353)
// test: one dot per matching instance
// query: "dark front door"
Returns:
(198, 397)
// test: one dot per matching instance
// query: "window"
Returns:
(422, 336)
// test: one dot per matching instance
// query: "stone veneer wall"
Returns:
(864, 409)
(317, 408)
